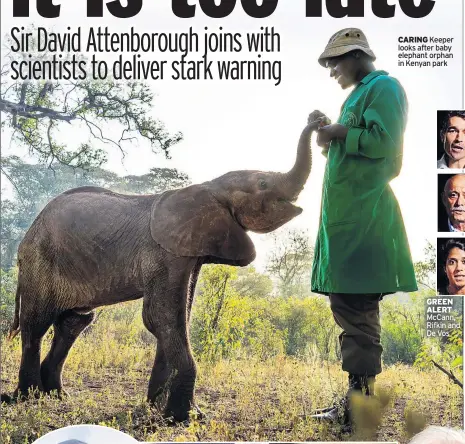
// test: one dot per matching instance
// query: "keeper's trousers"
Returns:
(358, 316)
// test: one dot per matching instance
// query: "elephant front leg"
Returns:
(165, 315)
(181, 398)
(160, 375)
(160, 382)
(175, 358)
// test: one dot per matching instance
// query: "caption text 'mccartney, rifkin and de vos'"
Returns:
(182, 9)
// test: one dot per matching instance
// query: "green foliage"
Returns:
(219, 314)
(402, 329)
(404, 338)
(252, 284)
(263, 339)
(309, 326)
(226, 324)
(425, 270)
(446, 351)
(101, 113)
(158, 180)
(454, 349)
(8, 281)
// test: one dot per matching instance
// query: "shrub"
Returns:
(8, 282)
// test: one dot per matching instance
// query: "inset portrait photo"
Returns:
(451, 266)
(451, 203)
(85, 434)
(451, 140)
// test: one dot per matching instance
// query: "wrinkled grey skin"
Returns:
(91, 247)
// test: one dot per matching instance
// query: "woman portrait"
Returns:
(451, 267)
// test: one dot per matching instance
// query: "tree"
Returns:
(8, 282)
(403, 328)
(156, 181)
(445, 354)
(216, 331)
(227, 324)
(309, 326)
(252, 284)
(105, 111)
(290, 261)
(35, 185)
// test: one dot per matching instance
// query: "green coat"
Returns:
(362, 246)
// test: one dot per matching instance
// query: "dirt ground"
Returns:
(242, 402)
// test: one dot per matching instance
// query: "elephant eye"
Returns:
(262, 184)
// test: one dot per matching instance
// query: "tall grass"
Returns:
(244, 397)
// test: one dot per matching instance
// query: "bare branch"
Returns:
(449, 374)
(33, 112)
(31, 106)
(104, 139)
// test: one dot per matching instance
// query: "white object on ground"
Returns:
(85, 434)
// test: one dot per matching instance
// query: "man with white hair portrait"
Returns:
(453, 200)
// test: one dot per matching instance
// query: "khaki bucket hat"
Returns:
(344, 41)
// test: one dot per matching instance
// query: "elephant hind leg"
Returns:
(33, 327)
(68, 326)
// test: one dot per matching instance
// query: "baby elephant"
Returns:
(91, 247)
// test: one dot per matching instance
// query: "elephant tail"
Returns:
(14, 329)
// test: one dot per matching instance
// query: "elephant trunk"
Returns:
(294, 180)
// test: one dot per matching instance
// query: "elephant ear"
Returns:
(191, 222)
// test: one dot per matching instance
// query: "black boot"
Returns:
(340, 411)
(362, 383)
(358, 384)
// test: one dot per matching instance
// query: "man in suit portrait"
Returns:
(453, 199)
(452, 136)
